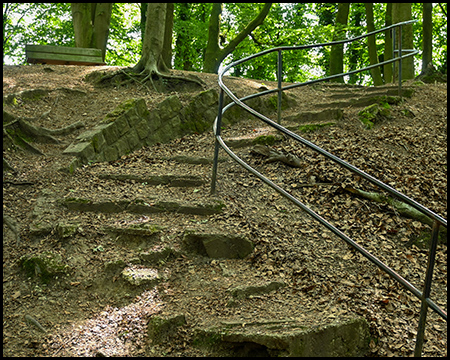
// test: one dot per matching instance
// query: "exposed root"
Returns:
(143, 77)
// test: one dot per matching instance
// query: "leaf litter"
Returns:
(323, 275)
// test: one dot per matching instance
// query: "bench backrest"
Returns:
(62, 55)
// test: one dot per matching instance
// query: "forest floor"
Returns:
(323, 275)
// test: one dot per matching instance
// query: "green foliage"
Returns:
(190, 34)
(288, 24)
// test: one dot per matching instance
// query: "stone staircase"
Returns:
(205, 261)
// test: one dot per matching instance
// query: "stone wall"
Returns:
(131, 126)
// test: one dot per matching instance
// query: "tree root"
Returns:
(401, 207)
(141, 77)
(275, 155)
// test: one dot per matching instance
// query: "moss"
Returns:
(266, 140)
(119, 110)
(46, 266)
(273, 101)
(207, 339)
(373, 113)
(313, 127)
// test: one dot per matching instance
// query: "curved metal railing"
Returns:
(424, 296)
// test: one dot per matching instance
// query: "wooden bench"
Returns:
(61, 55)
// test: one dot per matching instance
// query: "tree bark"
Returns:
(402, 12)
(427, 35)
(168, 29)
(337, 51)
(373, 57)
(214, 55)
(152, 48)
(91, 22)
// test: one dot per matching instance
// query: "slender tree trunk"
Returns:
(388, 45)
(427, 39)
(214, 54)
(402, 12)
(337, 51)
(373, 57)
(353, 48)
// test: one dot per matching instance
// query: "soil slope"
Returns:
(85, 313)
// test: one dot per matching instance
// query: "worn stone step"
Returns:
(139, 206)
(346, 337)
(217, 246)
(169, 180)
(315, 116)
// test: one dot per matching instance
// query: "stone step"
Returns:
(345, 337)
(139, 206)
(169, 180)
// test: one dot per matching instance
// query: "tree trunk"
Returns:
(427, 39)
(373, 57)
(152, 48)
(337, 51)
(354, 48)
(144, 7)
(402, 12)
(82, 24)
(91, 25)
(167, 45)
(212, 47)
(214, 55)
(388, 45)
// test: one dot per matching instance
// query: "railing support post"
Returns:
(426, 290)
(400, 61)
(217, 145)
(279, 78)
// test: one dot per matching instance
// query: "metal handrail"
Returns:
(438, 220)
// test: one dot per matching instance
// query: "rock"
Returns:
(158, 257)
(346, 338)
(139, 275)
(47, 266)
(244, 291)
(218, 246)
(136, 236)
(161, 329)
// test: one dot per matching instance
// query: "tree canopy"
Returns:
(281, 24)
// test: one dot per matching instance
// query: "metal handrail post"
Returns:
(218, 124)
(426, 290)
(279, 78)
(394, 32)
(400, 61)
